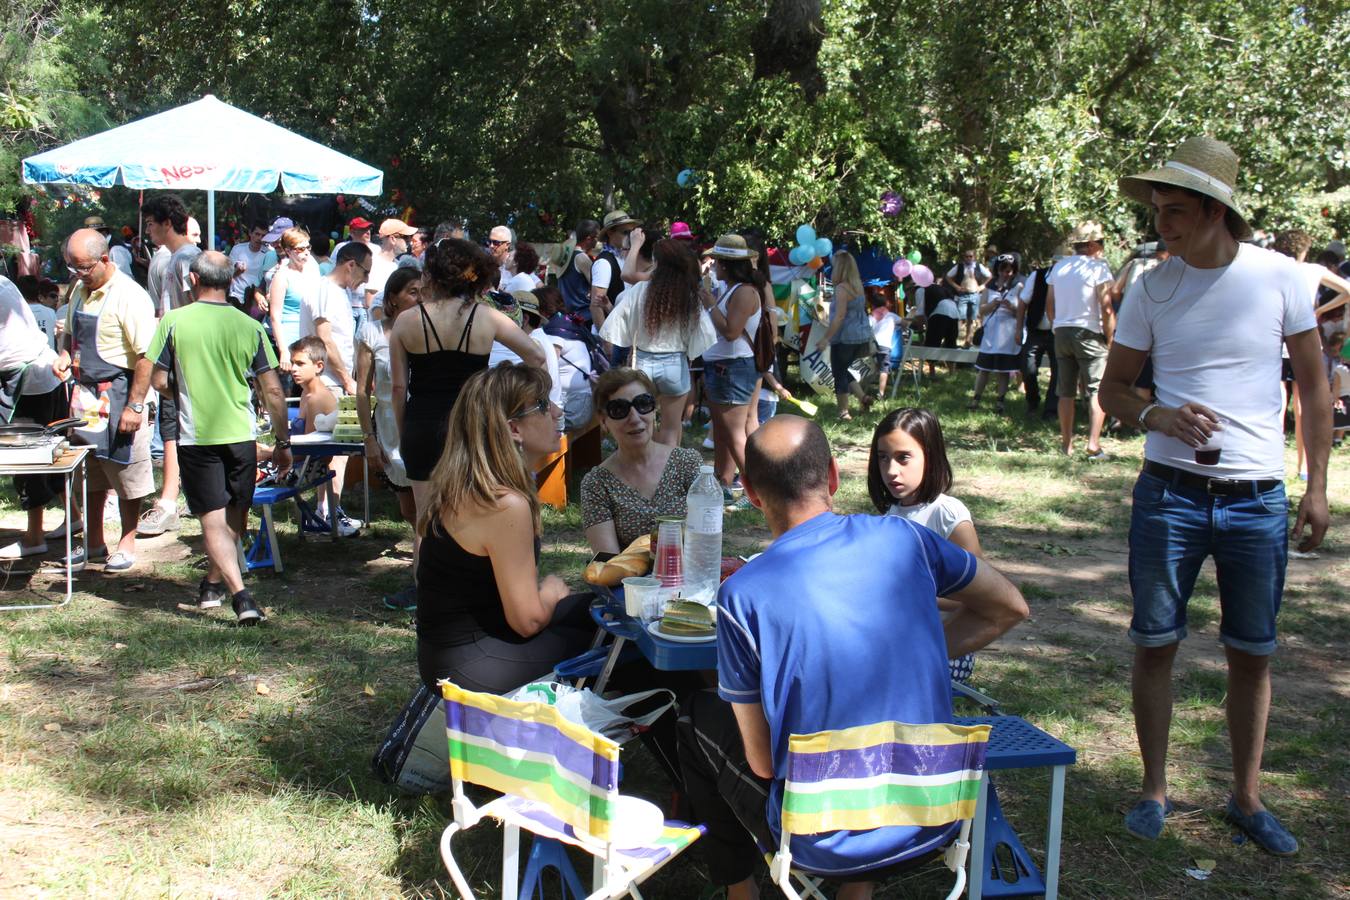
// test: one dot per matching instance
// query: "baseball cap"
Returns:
(279, 225)
(358, 224)
(394, 226)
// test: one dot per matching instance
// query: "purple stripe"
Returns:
(536, 737)
(889, 758)
(540, 814)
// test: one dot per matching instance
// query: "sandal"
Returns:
(845, 417)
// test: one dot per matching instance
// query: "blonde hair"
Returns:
(845, 271)
(481, 462)
(292, 238)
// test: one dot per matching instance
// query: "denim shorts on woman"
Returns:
(1173, 527)
(668, 371)
(730, 382)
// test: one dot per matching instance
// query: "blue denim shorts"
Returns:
(1173, 528)
(668, 371)
(966, 307)
(730, 382)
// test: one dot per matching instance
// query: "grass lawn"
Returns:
(146, 751)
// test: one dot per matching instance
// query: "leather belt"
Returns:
(1215, 487)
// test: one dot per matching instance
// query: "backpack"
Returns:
(764, 340)
(574, 328)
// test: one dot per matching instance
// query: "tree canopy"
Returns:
(1003, 121)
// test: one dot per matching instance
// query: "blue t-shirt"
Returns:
(836, 625)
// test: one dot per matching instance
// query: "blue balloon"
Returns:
(823, 247)
(685, 178)
(806, 235)
(800, 256)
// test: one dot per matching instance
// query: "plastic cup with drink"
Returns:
(1208, 453)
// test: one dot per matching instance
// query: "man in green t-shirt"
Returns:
(205, 353)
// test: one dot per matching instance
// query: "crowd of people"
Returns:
(467, 368)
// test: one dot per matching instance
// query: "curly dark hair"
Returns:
(527, 258)
(672, 294)
(459, 268)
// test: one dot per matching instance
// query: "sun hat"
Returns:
(358, 224)
(1201, 164)
(398, 227)
(96, 223)
(528, 302)
(1086, 232)
(731, 246)
(279, 225)
(680, 231)
(616, 219)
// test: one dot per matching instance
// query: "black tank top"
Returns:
(436, 377)
(457, 598)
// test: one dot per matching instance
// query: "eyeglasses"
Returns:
(492, 243)
(303, 248)
(618, 409)
(83, 270)
(540, 407)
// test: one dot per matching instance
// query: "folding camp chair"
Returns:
(873, 776)
(560, 782)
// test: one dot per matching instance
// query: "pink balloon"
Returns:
(922, 275)
(901, 268)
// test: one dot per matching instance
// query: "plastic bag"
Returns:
(616, 718)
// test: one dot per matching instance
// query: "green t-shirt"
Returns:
(210, 351)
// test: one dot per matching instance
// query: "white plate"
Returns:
(655, 629)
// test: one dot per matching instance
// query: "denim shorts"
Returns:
(730, 382)
(766, 410)
(668, 371)
(966, 307)
(1173, 527)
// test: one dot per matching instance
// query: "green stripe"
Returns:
(880, 795)
(537, 772)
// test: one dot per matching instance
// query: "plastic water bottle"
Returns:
(703, 538)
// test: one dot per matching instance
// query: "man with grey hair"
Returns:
(205, 354)
(501, 241)
(109, 323)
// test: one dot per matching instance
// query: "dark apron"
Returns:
(103, 379)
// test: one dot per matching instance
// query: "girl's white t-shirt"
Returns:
(941, 515)
(883, 330)
(1215, 337)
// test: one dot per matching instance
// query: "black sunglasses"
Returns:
(618, 409)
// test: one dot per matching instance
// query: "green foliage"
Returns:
(995, 121)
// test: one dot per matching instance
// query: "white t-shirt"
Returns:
(156, 277)
(1075, 279)
(22, 342)
(883, 330)
(501, 353)
(602, 272)
(1216, 342)
(941, 515)
(253, 268)
(521, 281)
(329, 302)
(1028, 291)
(573, 365)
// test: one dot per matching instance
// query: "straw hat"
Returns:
(1201, 164)
(528, 302)
(616, 219)
(731, 246)
(96, 223)
(1086, 232)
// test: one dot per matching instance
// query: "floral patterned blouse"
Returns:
(604, 497)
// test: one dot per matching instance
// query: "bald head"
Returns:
(212, 272)
(787, 461)
(86, 246)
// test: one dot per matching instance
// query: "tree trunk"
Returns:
(787, 42)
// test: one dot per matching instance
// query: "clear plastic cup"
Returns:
(635, 591)
(1209, 453)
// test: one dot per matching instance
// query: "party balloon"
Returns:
(922, 275)
(901, 269)
(799, 256)
(823, 247)
(816, 263)
(685, 176)
(915, 257)
(891, 203)
(806, 235)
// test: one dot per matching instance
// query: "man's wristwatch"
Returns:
(137, 408)
(1143, 414)
(282, 443)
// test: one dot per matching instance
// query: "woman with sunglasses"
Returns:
(643, 479)
(485, 620)
(664, 322)
(293, 279)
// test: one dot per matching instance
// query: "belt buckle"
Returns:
(1220, 487)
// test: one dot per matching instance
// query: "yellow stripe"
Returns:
(857, 738)
(877, 817)
(532, 712)
(538, 791)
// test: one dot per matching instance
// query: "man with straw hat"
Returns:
(1213, 318)
(606, 285)
(1082, 318)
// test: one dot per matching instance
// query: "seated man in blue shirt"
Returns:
(835, 625)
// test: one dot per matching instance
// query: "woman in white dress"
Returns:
(373, 378)
(1002, 331)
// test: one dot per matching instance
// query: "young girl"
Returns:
(908, 475)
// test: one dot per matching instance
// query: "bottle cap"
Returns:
(705, 470)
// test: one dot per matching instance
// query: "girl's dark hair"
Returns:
(550, 300)
(527, 258)
(319, 244)
(672, 295)
(399, 279)
(924, 427)
(743, 271)
(458, 268)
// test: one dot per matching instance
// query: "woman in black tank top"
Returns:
(484, 619)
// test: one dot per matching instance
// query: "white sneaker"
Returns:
(17, 550)
(347, 527)
(59, 532)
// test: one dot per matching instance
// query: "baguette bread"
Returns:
(635, 560)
